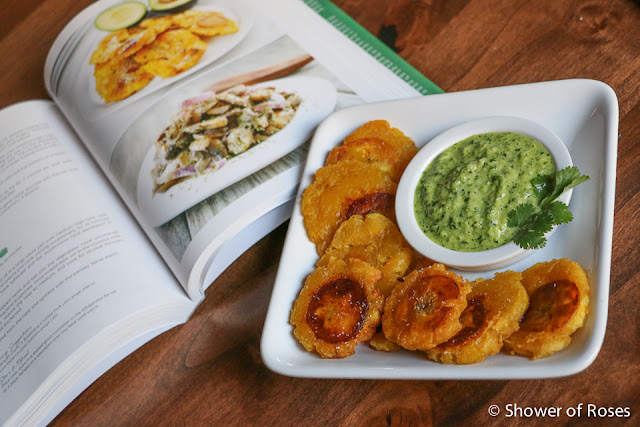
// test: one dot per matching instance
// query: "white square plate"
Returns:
(583, 113)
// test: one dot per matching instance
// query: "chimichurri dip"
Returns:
(465, 195)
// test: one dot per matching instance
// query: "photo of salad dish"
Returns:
(212, 128)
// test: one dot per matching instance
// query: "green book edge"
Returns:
(373, 46)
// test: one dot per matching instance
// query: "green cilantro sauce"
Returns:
(465, 195)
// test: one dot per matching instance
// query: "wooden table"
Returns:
(209, 370)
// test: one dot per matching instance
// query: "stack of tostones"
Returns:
(340, 191)
(494, 308)
(359, 177)
(349, 214)
(337, 308)
(128, 59)
(424, 310)
(559, 302)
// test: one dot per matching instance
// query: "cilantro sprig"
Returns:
(534, 222)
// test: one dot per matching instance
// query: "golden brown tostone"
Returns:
(337, 308)
(559, 302)
(424, 310)
(341, 191)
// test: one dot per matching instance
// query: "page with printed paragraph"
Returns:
(78, 278)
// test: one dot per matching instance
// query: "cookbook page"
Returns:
(73, 263)
(200, 114)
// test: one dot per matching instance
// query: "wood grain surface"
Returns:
(209, 370)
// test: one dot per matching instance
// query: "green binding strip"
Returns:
(3, 252)
(374, 47)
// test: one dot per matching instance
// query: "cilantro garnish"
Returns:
(532, 223)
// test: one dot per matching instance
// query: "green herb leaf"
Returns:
(542, 186)
(531, 234)
(541, 222)
(530, 239)
(532, 223)
(565, 179)
(520, 215)
(559, 212)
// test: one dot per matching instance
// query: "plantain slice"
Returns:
(340, 191)
(376, 240)
(383, 130)
(121, 44)
(380, 343)
(205, 23)
(424, 310)
(171, 53)
(337, 308)
(494, 308)
(391, 155)
(559, 301)
(118, 79)
(419, 261)
(159, 23)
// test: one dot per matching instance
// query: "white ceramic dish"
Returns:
(492, 259)
(318, 101)
(584, 114)
(239, 11)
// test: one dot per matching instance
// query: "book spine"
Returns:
(372, 45)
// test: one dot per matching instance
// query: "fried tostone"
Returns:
(380, 343)
(559, 302)
(171, 53)
(337, 308)
(205, 23)
(380, 129)
(494, 308)
(116, 80)
(340, 191)
(159, 23)
(376, 240)
(391, 155)
(418, 262)
(424, 310)
(121, 44)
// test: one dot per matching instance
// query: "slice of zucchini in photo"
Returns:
(121, 16)
(170, 5)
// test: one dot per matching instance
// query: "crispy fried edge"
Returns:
(355, 269)
(536, 345)
(313, 210)
(387, 155)
(500, 324)
(401, 255)
(424, 340)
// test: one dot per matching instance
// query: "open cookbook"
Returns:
(175, 140)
